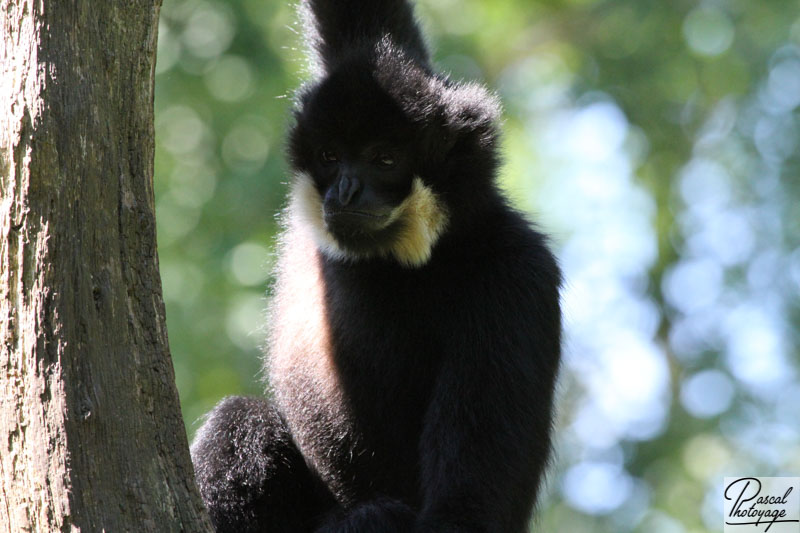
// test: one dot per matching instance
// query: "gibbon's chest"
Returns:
(352, 361)
(353, 338)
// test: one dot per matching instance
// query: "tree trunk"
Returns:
(91, 437)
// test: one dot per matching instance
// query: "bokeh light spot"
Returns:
(708, 31)
(707, 393)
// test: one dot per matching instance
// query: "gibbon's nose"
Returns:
(348, 187)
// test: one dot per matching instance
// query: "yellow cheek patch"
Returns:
(421, 218)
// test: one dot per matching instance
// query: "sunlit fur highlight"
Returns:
(422, 216)
(300, 350)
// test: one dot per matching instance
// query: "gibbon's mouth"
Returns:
(335, 213)
(349, 224)
(354, 220)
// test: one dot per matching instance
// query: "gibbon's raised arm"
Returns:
(337, 28)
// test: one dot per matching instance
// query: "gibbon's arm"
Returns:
(483, 450)
(336, 28)
(486, 435)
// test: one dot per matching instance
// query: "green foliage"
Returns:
(656, 141)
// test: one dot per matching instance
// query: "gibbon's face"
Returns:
(357, 181)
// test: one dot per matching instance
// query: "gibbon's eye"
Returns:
(384, 160)
(329, 156)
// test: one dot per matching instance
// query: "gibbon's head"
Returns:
(374, 148)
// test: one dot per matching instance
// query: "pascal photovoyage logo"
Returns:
(761, 504)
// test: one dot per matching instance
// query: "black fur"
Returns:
(411, 392)
(335, 29)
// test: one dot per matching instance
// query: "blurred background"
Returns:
(657, 142)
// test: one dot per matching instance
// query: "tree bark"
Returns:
(91, 436)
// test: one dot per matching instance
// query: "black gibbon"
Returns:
(415, 327)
